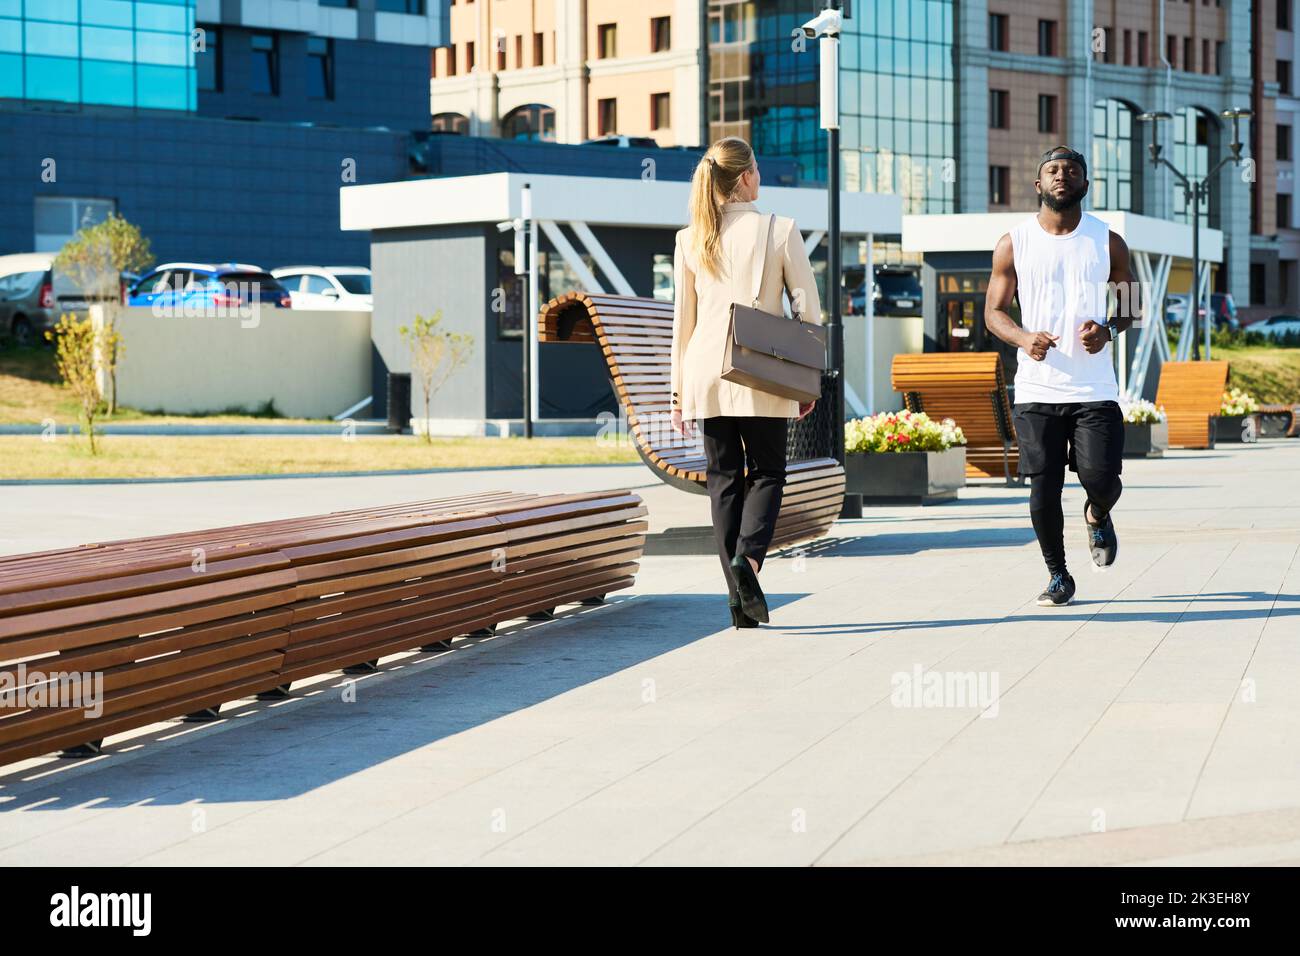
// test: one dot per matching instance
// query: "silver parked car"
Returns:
(27, 305)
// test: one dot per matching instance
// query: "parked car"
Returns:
(327, 287)
(618, 139)
(1278, 325)
(199, 285)
(1222, 307)
(27, 305)
(896, 291)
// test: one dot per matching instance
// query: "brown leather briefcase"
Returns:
(771, 353)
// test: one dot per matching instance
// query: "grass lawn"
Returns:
(1271, 375)
(158, 456)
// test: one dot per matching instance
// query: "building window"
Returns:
(469, 56)
(998, 36)
(450, 60)
(1143, 46)
(207, 61)
(1047, 38)
(1128, 47)
(519, 51)
(1195, 140)
(1285, 279)
(1284, 76)
(320, 68)
(1116, 163)
(1283, 142)
(999, 185)
(1284, 14)
(265, 64)
(660, 113)
(1188, 65)
(539, 49)
(999, 109)
(58, 218)
(1107, 45)
(606, 116)
(533, 121)
(1218, 57)
(1171, 51)
(414, 7)
(450, 123)
(1046, 113)
(500, 45)
(661, 34)
(1284, 210)
(1205, 57)
(607, 41)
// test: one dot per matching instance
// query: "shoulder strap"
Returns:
(762, 259)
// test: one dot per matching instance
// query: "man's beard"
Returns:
(1068, 201)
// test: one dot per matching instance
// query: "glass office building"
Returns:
(99, 52)
(897, 126)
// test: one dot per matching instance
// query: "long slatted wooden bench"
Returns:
(1192, 393)
(969, 388)
(635, 335)
(180, 624)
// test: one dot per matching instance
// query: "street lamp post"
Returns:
(1194, 191)
(826, 27)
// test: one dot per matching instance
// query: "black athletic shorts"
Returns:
(1078, 434)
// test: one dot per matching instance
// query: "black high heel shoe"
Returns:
(752, 601)
(739, 618)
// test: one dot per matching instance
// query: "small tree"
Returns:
(77, 343)
(94, 260)
(435, 355)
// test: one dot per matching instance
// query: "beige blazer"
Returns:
(702, 305)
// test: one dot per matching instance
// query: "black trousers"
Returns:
(744, 504)
(1086, 436)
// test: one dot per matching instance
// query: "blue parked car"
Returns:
(197, 286)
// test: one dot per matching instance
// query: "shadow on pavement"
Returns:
(315, 740)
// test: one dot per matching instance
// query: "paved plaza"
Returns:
(909, 703)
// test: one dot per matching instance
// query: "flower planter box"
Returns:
(1147, 440)
(906, 477)
(1236, 428)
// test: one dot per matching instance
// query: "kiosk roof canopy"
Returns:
(494, 197)
(980, 232)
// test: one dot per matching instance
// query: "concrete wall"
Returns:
(893, 335)
(310, 364)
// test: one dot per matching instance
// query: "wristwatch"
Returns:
(1114, 331)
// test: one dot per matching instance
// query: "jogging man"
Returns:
(1060, 264)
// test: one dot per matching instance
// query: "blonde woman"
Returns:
(743, 430)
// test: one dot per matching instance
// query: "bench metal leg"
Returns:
(437, 645)
(203, 716)
(365, 667)
(598, 599)
(279, 692)
(488, 631)
(546, 614)
(91, 748)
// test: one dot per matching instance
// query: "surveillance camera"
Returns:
(826, 23)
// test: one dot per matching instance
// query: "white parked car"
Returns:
(327, 287)
(1278, 325)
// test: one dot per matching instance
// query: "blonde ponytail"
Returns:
(713, 183)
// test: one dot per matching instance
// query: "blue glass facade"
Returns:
(99, 52)
(897, 93)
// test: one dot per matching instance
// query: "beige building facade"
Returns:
(570, 70)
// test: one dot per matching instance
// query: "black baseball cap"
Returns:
(1063, 152)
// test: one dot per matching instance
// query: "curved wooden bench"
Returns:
(1191, 393)
(969, 388)
(182, 623)
(635, 336)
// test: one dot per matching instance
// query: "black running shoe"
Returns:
(1060, 591)
(1102, 541)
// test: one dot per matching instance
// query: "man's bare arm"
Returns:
(1002, 288)
(1129, 305)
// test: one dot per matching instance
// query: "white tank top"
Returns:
(1061, 282)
